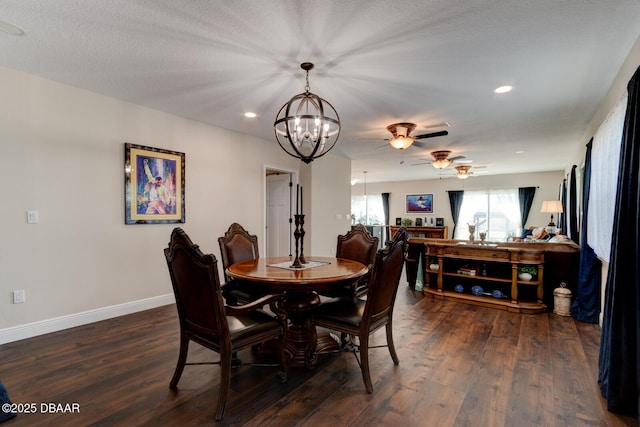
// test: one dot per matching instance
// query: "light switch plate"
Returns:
(32, 217)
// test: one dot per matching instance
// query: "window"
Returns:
(367, 209)
(496, 212)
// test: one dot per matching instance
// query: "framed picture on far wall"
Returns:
(419, 203)
(153, 185)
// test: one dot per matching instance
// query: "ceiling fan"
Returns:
(464, 171)
(441, 159)
(402, 138)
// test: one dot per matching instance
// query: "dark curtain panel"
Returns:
(573, 207)
(385, 209)
(619, 370)
(525, 196)
(455, 200)
(586, 305)
(560, 221)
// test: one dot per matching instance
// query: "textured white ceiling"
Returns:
(377, 62)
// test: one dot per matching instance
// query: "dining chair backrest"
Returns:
(196, 286)
(358, 245)
(237, 245)
(385, 278)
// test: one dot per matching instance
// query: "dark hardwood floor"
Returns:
(460, 365)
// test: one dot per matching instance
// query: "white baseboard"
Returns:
(41, 327)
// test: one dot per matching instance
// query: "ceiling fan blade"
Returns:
(437, 125)
(453, 159)
(418, 164)
(432, 134)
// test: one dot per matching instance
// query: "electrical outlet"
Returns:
(19, 296)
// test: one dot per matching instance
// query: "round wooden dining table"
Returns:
(301, 286)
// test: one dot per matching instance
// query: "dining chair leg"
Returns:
(364, 362)
(283, 373)
(182, 361)
(392, 348)
(225, 380)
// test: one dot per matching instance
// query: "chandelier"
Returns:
(307, 127)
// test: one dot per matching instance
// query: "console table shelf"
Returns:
(453, 268)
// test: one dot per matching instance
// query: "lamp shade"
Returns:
(551, 206)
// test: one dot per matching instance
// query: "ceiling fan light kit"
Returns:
(307, 127)
(401, 142)
(463, 171)
(440, 160)
(400, 131)
(402, 138)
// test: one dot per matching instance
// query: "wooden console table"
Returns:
(456, 270)
(424, 232)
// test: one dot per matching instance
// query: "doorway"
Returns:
(279, 232)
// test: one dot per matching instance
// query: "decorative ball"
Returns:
(477, 290)
(459, 288)
(497, 293)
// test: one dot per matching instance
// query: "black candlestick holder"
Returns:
(303, 260)
(299, 236)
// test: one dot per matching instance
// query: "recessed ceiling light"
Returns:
(250, 115)
(503, 89)
(14, 30)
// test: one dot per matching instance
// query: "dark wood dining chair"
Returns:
(206, 320)
(357, 245)
(235, 246)
(356, 317)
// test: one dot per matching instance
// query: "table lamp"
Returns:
(551, 207)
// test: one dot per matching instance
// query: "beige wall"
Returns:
(331, 199)
(548, 184)
(61, 153)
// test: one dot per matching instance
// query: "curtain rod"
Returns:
(485, 189)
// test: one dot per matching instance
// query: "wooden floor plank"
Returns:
(460, 365)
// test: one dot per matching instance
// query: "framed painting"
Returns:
(153, 185)
(419, 203)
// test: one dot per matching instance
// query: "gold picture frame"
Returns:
(154, 181)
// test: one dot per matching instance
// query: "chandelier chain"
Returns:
(307, 88)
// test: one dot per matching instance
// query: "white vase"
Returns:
(525, 276)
